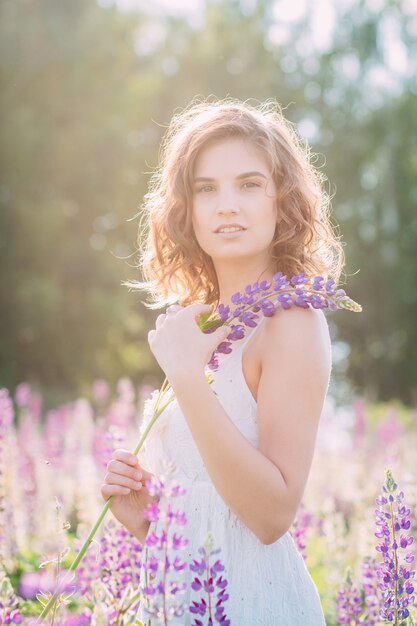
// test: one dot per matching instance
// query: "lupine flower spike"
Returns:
(165, 397)
(371, 591)
(349, 602)
(209, 579)
(114, 566)
(395, 572)
(302, 522)
(162, 589)
(9, 612)
(265, 297)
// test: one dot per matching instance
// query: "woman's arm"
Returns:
(264, 486)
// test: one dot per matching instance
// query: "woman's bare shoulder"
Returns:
(299, 327)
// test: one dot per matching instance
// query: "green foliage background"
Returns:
(87, 91)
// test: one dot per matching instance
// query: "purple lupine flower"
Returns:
(285, 300)
(318, 282)
(253, 289)
(225, 347)
(265, 297)
(329, 287)
(223, 311)
(237, 332)
(349, 602)
(267, 307)
(394, 523)
(160, 591)
(280, 282)
(301, 524)
(300, 279)
(249, 318)
(112, 564)
(41, 581)
(9, 612)
(82, 619)
(371, 591)
(210, 579)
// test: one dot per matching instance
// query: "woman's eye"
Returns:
(249, 184)
(205, 189)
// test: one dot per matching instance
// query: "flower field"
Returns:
(355, 528)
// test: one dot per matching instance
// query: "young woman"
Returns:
(235, 200)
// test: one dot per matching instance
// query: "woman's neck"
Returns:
(236, 278)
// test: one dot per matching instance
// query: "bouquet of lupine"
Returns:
(266, 297)
(258, 299)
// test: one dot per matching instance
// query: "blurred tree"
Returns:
(70, 176)
(368, 85)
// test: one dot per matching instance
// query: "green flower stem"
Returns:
(70, 572)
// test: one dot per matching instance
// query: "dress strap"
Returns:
(243, 342)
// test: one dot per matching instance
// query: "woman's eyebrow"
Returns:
(249, 174)
(205, 179)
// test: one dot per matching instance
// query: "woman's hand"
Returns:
(178, 344)
(125, 480)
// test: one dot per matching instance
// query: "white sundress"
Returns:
(268, 585)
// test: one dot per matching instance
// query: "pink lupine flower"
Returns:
(359, 429)
(299, 529)
(160, 590)
(22, 394)
(100, 390)
(389, 431)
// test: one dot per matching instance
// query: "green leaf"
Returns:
(205, 323)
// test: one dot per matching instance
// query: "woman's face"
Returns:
(233, 189)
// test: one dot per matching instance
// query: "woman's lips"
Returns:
(232, 234)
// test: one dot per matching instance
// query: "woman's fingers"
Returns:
(160, 320)
(112, 478)
(124, 474)
(124, 455)
(113, 490)
(126, 463)
(173, 308)
(193, 310)
(123, 469)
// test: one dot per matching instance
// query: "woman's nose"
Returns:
(227, 202)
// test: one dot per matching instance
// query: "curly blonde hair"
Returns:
(173, 265)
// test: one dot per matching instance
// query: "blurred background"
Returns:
(87, 90)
